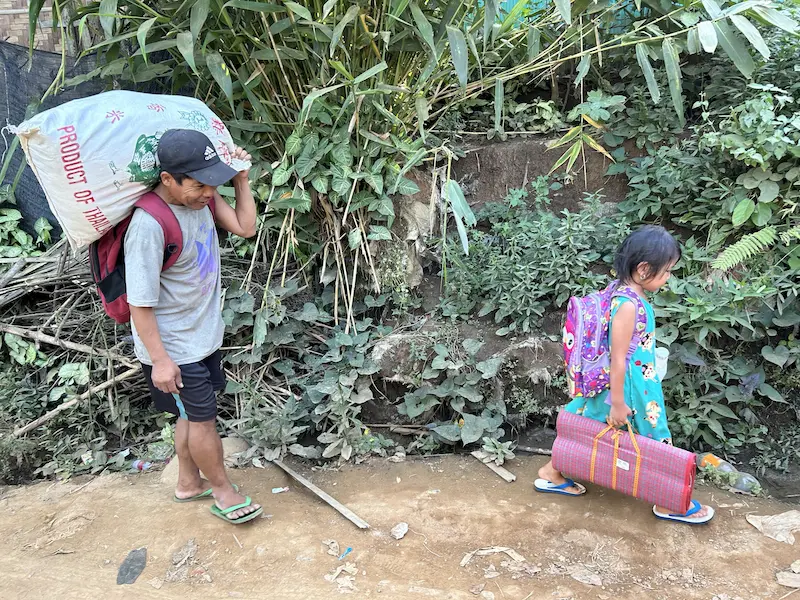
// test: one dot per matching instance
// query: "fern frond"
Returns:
(787, 237)
(749, 246)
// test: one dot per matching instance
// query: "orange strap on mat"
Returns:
(615, 436)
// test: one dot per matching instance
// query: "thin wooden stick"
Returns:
(48, 339)
(503, 473)
(532, 450)
(333, 502)
(70, 403)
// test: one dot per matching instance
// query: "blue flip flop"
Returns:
(695, 508)
(548, 487)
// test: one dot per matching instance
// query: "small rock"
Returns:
(795, 566)
(477, 588)
(487, 595)
(491, 572)
(584, 575)
(156, 583)
(399, 531)
(233, 445)
(169, 475)
(132, 566)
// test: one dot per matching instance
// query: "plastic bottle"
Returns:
(742, 482)
(140, 465)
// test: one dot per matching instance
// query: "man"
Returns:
(176, 314)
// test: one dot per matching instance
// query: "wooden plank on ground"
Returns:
(504, 473)
(346, 512)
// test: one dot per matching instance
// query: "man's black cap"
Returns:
(191, 153)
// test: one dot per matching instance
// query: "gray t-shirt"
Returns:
(187, 296)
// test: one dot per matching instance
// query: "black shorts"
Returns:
(198, 397)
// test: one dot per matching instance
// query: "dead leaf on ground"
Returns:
(477, 588)
(492, 550)
(778, 527)
(584, 575)
(789, 579)
(333, 547)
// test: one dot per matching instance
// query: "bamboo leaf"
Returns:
(108, 16)
(458, 52)
(649, 75)
(712, 8)
(594, 145)
(299, 10)
(424, 28)
(751, 33)
(459, 203)
(421, 105)
(186, 48)
(735, 49)
(141, 36)
(327, 8)
(499, 94)
(583, 68)
(707, 35)
(338, 29)
(777, 18)
(564, 9)
(34, 9)
(571, 135)
(198, 18)
(262, 7)
(371, 72)
(221, 74)
(534, 42)
(673, 68)
(489, 16)
(569, 156)
(692, 41)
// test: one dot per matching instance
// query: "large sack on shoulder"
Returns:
(94, 157)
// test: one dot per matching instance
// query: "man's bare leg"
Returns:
(205, 448)
(189, 481)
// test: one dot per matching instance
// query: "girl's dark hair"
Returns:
(650, 244)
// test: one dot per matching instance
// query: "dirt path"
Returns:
(67, 541)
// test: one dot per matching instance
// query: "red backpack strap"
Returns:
(155, 206)
(212, 206)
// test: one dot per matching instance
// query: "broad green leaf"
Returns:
(198, 18)
(490, 367)
(734, 48)
(108, 16)
(752, 34)
(298, 9)
(769, 191)
(371, 72)
(583, 68)
(141, 36)
(354, 238)
(458, 53)
(339, 28)
(649, 75)
(762, 215)
(708, 36)
(450, 432)
(473, 428)
(379, 232)
(777, 356)
(294, 144)
(723, 411)
(743, 211)
(341, 154)
(406, 187)
(499, 95)
(375, 181)
(673, 68)
(770, 392)
(534, 42)
(777, 18)
(564, 10)
(186, 48)
(280, 176)
(424, 28)
(320, 183)
(260, 329)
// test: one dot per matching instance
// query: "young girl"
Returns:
(643, 263)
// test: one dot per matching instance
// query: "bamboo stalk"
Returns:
(70, 403)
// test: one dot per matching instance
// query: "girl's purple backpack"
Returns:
(586, 344)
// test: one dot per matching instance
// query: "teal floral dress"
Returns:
(643, 393)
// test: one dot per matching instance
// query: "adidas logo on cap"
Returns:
(210, 153)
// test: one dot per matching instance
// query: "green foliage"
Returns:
(497, 451)
(529, 260)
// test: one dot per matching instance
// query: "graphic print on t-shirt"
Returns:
(206, 263)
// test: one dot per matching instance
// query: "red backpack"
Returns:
(107, 255)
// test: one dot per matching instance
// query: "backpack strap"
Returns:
(640, 323)
(212, 206)
(155, 206)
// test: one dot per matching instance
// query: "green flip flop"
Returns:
(207, 494)
(223, 513)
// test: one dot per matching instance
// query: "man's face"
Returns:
(189, 193)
